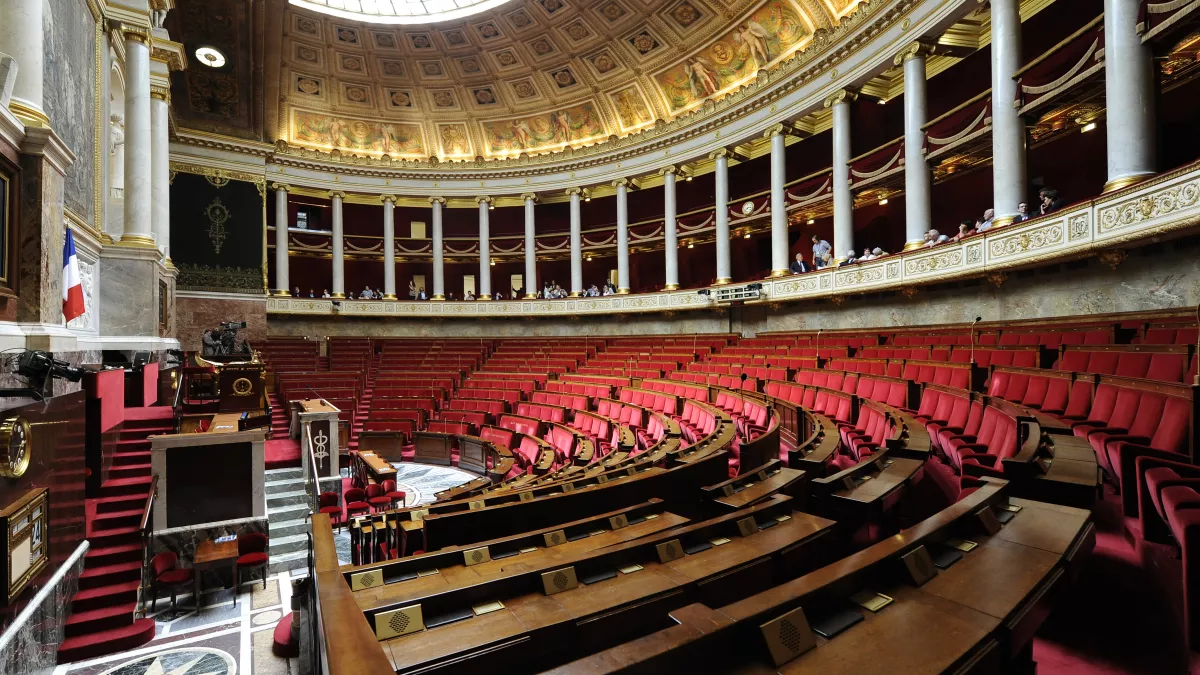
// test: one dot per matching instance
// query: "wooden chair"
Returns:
(166, 572)
(252, 555)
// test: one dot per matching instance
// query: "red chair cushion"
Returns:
(380, 501)
(175, 577)
(283, 645)
(252, 559)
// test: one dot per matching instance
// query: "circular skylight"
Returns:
(210, 57)
(399, 11)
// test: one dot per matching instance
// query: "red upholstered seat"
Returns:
(283, 644)
(175, 576)
(164, 572)
(252, 559)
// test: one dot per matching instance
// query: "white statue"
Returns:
(158, 17)
(116, 157)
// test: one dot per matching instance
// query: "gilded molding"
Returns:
(573, 191)
(621, 181)
(841, 96)
(133, 33)
(387, 198)
(529, 196)
(483, 200)
(437, 200)
(337, 194)
(210, 172)
(281, 186)
(917, 48)
(160, 93)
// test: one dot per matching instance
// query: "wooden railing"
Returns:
(146, 528)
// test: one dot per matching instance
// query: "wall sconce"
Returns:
(1088, 127)
(811, 221)
(883, 202)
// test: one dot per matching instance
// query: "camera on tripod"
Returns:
(224, 339)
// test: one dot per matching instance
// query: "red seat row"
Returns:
(562, 400)
(543, 411)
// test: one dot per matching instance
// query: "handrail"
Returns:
(146, 528)
(312, 479)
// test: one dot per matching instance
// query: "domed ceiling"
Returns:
(524, 77)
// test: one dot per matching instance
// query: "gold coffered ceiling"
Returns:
(529, 76)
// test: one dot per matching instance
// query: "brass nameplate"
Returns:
(617, 522)
(719, 541)
(525, 496)
(651, 516)
(601, 479)
(487, 607)
(747, 526)
(670, 550)
(427, 573)
(418, 515)
(596, 532)
(788, 636)
(529, 549)
(963, 545)
(399, 622)
(1011, 508)
(368, 579)
(568, 487)
(988, 520)
(920, 565)
(476, 555)
(559, 580)
(870, 600)
(555, 538)
(630, 569)
(475, 505)
(784, 518)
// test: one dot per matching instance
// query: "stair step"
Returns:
(285, 485)
(119, 503)
(287, 528)
(288, 544)
(286, 498)
(105, 596)
(129, 471)
(115, 536)
(126, 486)
(297, 560)
(95, 577)
(105, 642)
(287, 512)
(105, 523)
(116, 553)
(126, 458)
(97, 620)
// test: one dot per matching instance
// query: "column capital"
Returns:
(915, 49)
(160, 93)
(780, 129)
(388, 198)
(841, 96)
(337, 194)
(483, 200)
(133, 33)
(281, 186)
(529, 197)
(668, 170)
(437, 200)
(573, 191)
(621, 182)
(720, 152)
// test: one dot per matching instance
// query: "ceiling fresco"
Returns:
(527, 77)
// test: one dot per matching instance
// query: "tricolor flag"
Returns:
(72, 288)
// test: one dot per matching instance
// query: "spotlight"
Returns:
(883, 101)
(1088, 127)
(691, 245)
(811, 221)
(491, 207)
(688, 179)
(746, 236)
(492, 263)
(211, 57)
(587, 199)
(589, 258)
(883, 202)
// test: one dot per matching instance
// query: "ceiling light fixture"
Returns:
(746, 236)
(688, 179)
(883, 101)
(492, 263)
(691, 245)
(210, 56)
(811, 221)
(491, 207)
(883, 202)
(1088, 127)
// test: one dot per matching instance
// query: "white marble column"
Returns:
(1129, 97)
(485, 250)
(139, 224)
(918, 213)
(622, 186)
(160, 169)
(576, 244)
(531, 282)
(779, 219)
(389, 246)
(282, 282)
(670, 236)
(721, 208)
(1008, 130)
(843, 199)
(439, 272)
(339, 252)
(22, 37)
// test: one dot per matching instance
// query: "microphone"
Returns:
(818, 343)
(972, 332)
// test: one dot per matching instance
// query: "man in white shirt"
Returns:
(822, 252)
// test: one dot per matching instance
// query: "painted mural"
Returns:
(546, 131)
(632, 111)
(397, 139)
(771, 32)
(454, 140)
(70, 103)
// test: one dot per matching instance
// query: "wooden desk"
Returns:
(210, 555)
(378, 466)
(224, 423)
(752, 493)
(883, 483)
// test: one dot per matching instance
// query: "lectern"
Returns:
(315, 421)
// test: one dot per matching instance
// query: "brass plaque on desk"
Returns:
(418, 515)
(559, 580)
(747, 526)
(669, 550)
(870, 600)
(788, 636)
(487, 607)
(368, 579)
(919, 565)
(524, 496)
(555, 538)
(601, 479)
(476, 555)
(399, 622)
(568, 487)
(617, 522)
(475, 505)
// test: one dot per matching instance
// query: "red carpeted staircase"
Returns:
(103, 612)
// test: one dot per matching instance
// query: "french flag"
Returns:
(72, 288)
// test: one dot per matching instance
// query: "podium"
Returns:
(316, 423)
(209, 476)
(241, 386)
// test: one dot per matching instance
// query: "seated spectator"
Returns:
(311, 293)
(593, 291)
(1022, 213)
(450, 296)
(1050, 200)
(822, 252)
(367, 293)
(498, 295)
(850, 258)
(421, 294)
(933, 238)
(325, 293)
(878, 252)
(986, 223)
(965, 229)
(296, 292)
(468, 296)
(798, 266)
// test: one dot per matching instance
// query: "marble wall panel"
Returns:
(39, 246)
(128, 297)
(70, 100)
(32, 647)
(195, 314)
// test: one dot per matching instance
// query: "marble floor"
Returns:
(227, 638)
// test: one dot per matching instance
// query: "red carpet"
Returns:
(1124, 615)
(282, 453)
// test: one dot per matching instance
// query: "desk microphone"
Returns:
(972, 332)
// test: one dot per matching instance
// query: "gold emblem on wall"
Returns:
(243, 387)
(217, 217)
(14, 447)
